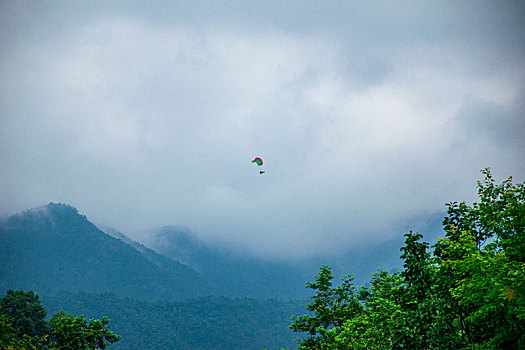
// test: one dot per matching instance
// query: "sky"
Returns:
(369, 115)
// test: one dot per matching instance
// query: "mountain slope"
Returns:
(241, 276)
(54, 248)
(246, 275)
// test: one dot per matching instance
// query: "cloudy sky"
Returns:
(368, 114)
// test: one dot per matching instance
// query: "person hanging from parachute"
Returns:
(259, 163)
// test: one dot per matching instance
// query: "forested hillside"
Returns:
(205, 323)
(54, 248)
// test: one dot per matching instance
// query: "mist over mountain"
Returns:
(253, 276)
(53, 248)
(201, 295)
(243, 274)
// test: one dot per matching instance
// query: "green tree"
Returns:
(331, 307)
(26, 312)
(377, 327)
(415, 295)
(481, 265)
(468, 293)
(23, 326)
(10, 339)
(397, 308)
(7, 333)
(78, 333)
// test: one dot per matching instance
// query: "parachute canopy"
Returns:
(258, 161)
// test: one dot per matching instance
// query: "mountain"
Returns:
(153, 257)
(255, 277)
(244, 276)
(54, 248)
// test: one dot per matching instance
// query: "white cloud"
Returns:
(141, 124)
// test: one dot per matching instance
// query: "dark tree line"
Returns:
(205, 323)
(468, 292)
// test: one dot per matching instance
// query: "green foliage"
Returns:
(26, 312)
(469, 293)
(331, 307)
(22, 323)
(7, 333)
(482, 283)
(23, 326)
(414, 296)
(9, 338)
(377, 327)
(22, 309)
(77, 333)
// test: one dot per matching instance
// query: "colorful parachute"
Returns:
(259, 162)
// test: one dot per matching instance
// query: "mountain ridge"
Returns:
(247, 276)
(54, 248)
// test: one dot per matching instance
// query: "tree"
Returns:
(10, 339)
(378, 326)
(7, 333)
(468, 293)
(476, 298)
(331, 306)
(26, 312)
(397, 308)
(481, 265)
(23, 326)
(415, 294)
(78, 333)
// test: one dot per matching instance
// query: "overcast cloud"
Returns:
(368, 114)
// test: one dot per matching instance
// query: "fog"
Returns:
(368, 115)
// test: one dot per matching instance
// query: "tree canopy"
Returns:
(26, 312)
(72, 333)
(467, 292)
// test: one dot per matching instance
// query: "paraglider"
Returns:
(259, 162)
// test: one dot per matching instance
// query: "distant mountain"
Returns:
(53, 248)
(241, 276)
(153, 257)
(245, 275)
